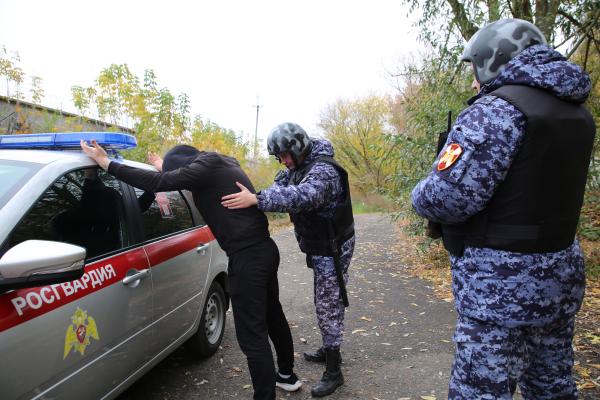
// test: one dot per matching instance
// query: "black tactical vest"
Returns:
(320, 233)
(536, 209)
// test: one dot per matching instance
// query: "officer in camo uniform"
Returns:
(507, 189)
(314, 190)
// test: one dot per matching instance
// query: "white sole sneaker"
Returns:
(289, 387)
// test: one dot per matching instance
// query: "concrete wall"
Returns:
(18, 116)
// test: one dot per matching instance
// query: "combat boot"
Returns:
(332, 377)
(317, 356)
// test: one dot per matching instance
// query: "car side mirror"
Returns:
(39, 263)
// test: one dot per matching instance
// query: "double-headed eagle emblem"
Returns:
(79, 332)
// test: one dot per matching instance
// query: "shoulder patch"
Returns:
(449, 157)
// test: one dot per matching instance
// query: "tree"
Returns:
(82, 98)
(37, 92)
(10, 70)
(445, 24)
(159, 118)
(208, 136)
(437, 83)
(363, 138)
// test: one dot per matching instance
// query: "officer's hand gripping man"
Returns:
(314, 190)
(508, 189)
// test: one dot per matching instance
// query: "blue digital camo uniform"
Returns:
(321, 189)
(516, 311)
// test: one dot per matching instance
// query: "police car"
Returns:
(99, 281)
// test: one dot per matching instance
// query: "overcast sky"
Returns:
(296, 56)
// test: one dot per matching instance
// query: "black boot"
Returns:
(317, 356)
(332, 378)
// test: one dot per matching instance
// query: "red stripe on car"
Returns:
(168, 248)
(21, 305)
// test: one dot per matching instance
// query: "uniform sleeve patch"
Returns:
(449, 157)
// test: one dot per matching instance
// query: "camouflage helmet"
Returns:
(494, 45)
(288, 137)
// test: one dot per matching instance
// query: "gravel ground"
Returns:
(397, 340)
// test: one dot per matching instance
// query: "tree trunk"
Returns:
(522, 9)
(545, 16)
(466, 27)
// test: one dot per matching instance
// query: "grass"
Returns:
(360, 207)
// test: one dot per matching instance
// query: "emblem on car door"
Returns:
(78, 334)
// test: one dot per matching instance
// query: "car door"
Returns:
(179, 253)
(78, 339)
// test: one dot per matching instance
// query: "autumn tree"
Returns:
(208, 136)
(37, 92)
(159, 118)
(11, 72)
(83, 98)
(363, 139)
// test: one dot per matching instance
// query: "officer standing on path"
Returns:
(244, 235)
(508, 189)
(314, 190)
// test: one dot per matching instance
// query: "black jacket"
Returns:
(209, 176)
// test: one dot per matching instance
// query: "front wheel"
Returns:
(207, 339)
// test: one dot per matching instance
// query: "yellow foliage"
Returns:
(363, 139)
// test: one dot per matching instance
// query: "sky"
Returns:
(295, 57)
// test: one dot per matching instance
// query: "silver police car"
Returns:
(99, 281)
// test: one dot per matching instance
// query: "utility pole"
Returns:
(258, 106)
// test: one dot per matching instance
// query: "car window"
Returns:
(13, 174)
(84, 207)
(189, 198)
(168, 214)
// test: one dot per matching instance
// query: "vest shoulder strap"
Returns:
(533, 102)
(330, 161)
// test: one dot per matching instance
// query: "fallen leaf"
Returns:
(358, 330)
(366, 319)
(587, 385)
(247, 386)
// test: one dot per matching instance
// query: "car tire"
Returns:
(207, 339)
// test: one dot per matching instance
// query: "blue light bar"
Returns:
(58, 141)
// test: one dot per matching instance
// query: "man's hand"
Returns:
(96, 152)
(155, 160)
(243, 199)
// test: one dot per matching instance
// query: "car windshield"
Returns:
(13, 175)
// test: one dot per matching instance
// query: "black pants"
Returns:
(258, 315)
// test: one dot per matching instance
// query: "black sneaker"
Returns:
(290, 384)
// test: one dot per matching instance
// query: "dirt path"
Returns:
(397, 342)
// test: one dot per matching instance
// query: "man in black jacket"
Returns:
(244, 235)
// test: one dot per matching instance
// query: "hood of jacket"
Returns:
(179, 156)
(320, 148)
(542, 67)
